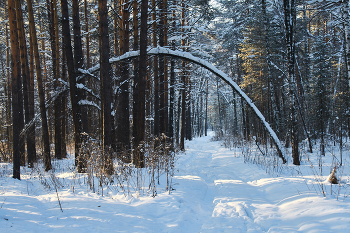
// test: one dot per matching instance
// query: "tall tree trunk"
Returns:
(183, 80)
(46, 82)
(290, 19)
(116, 28)
(87, 37)
(64, 130)
(9, 83)
(140, 84)
(183, 107)
(57, 109)
(67, 46)
(346, 46)
(155, 71)
(20, 86)
(172, 81)
(136, 90)
(166, 82)
(45, 129)
(79, 63)
(206, 110)
(15, 76)
(188, 107)
(162, 77)
(346, 38)
(31, 130)
(123, 125)
(26, 82)
(106, 80)
(60, 118)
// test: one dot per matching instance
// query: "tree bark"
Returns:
(67, 46)
(57, 110)
(20, 86)
(140, 84)
(290, 19)
(26, 87)
(31, 130)
(123, 125)
(183, 80)
(45, 128)
(87, 37)
(64, 130)
(106, 81)
(162, 77)
(9, 83)
(206, 110)
(172, 82)
(155, 71)
(79, 63)
(15, 76)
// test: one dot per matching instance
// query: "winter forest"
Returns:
(117, 99)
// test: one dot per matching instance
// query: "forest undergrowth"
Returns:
(122, 178)
(327, 175)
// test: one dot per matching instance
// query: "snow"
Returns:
(215, 191)
(89, 103)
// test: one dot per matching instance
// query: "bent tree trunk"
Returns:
(189, 57)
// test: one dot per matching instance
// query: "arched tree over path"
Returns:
(189, 57)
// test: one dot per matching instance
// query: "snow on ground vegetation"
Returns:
(213, 189)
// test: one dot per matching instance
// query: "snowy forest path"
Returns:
(225, 194)
(218, 189)
(214, 191)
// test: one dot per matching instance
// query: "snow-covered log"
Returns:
(205, 64)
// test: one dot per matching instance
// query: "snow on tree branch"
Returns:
(205, 64)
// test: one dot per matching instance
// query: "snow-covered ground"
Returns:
(215, 191)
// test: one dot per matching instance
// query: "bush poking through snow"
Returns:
(332, 177)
